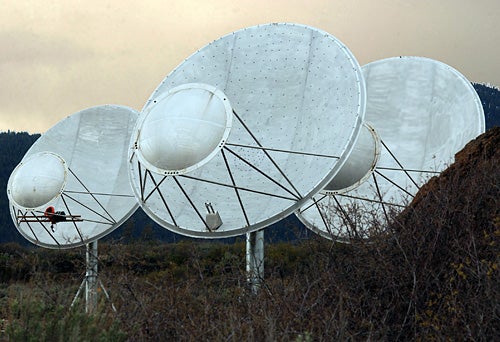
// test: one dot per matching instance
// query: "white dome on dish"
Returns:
(184, 129)
(360, 164)
(37, 180)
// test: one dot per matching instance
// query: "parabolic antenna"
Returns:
(233, 139)
(424, 112)
(72, 187)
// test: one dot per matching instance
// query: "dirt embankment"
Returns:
(470, 186)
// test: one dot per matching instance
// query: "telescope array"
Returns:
(261, 123)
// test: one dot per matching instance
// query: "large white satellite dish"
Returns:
(233, 139)
(424, 112)
(72, 187)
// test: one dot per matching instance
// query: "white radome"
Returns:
(38, 180)
(360, 164)
(184, 128)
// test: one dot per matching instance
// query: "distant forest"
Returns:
(490, 99)
(15, 144)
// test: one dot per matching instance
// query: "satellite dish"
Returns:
(223, 145)
(72, 187)
(424, 112)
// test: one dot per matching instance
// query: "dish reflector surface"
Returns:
(96, 197)
(291, 88)
(37, 180)
(424, 112)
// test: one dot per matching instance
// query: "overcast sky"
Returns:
(58, 57)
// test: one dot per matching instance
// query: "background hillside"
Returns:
(14, 145)
(490, 99)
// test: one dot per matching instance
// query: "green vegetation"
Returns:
(313, 290)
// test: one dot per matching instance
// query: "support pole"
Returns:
(255, 259)
(91, 278)
(91, 282)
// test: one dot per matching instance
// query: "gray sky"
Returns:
(59, 57)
